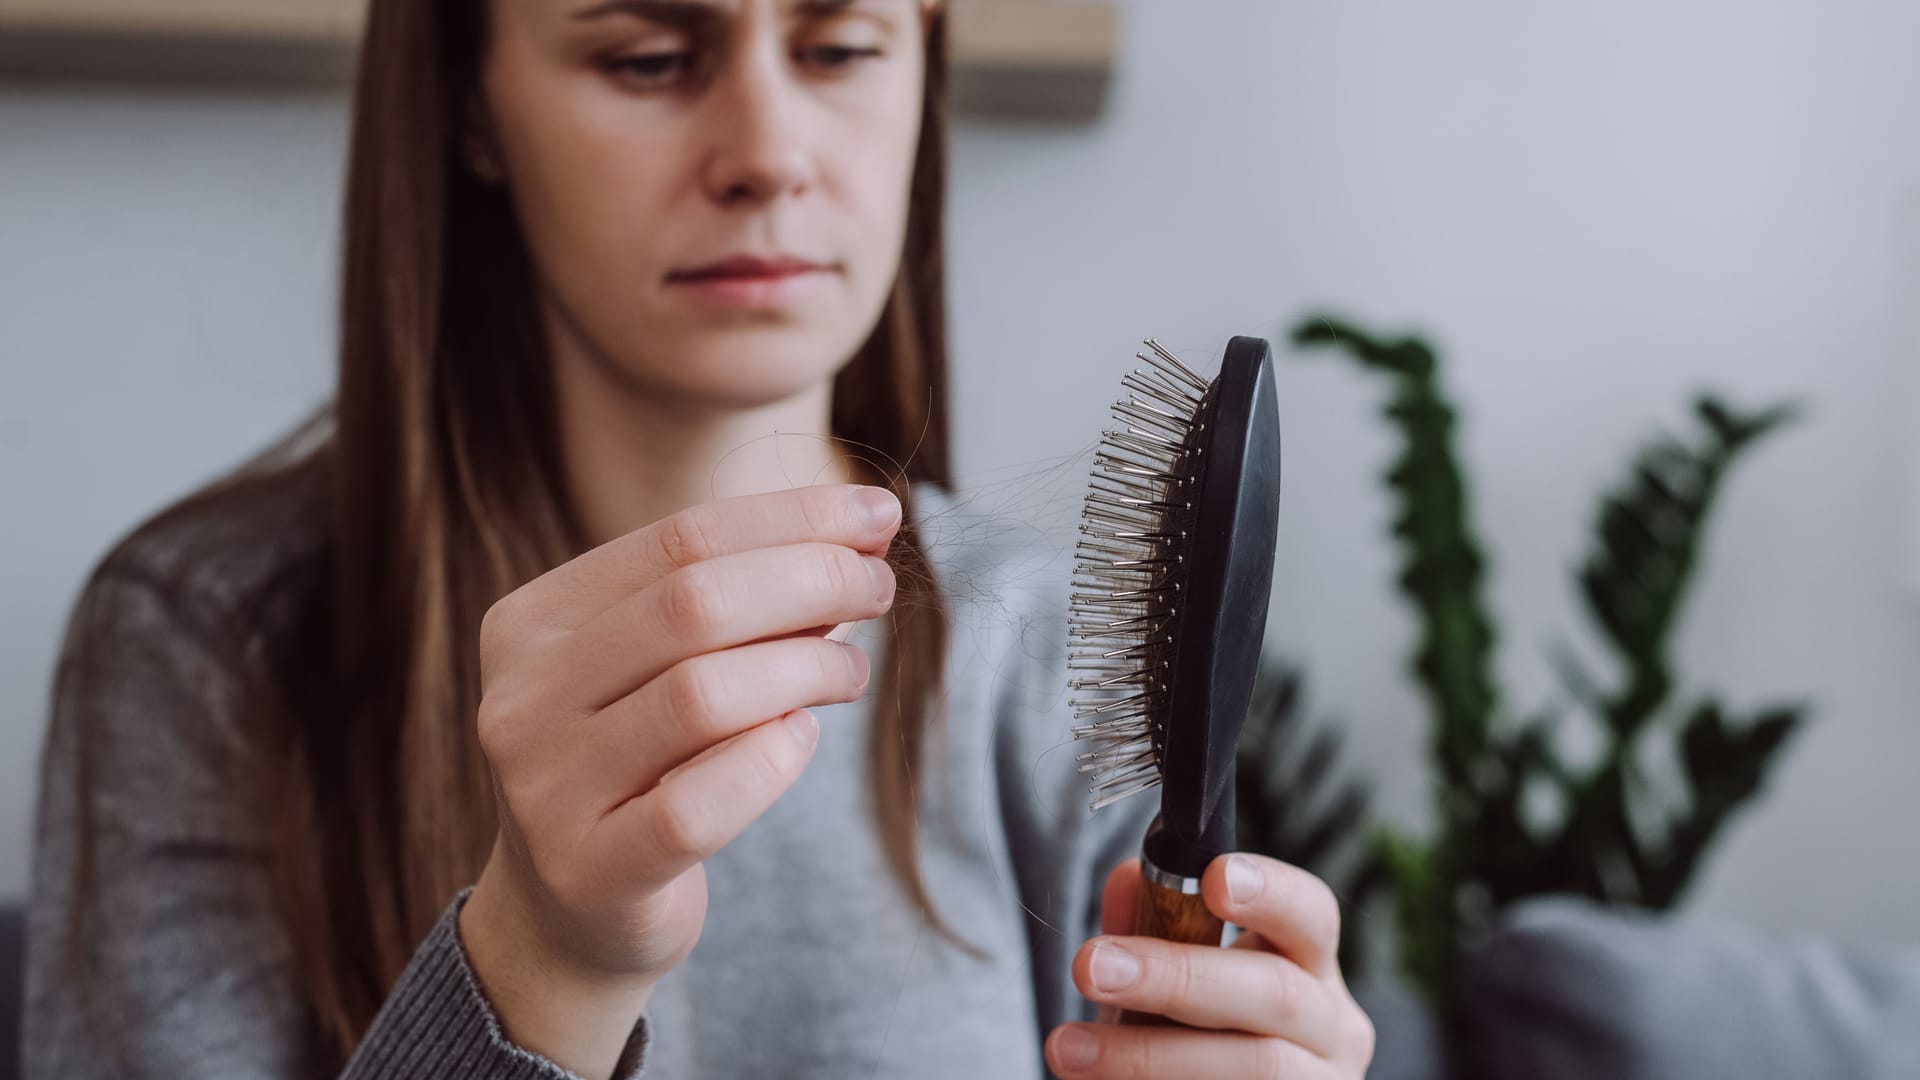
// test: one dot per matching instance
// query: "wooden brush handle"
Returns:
(1171, 915)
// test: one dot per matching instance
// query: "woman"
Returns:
(432, 743)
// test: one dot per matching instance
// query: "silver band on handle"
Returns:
(1189, 886)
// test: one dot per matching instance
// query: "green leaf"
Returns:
(1648, 536)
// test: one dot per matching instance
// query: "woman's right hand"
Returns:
(641, 705)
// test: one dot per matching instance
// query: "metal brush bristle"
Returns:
(1128, 569)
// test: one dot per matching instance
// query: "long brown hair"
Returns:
(443, 474)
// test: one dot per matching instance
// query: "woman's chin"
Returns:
(757, 366)
(749, 379)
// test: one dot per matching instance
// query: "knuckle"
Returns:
(1284, 991)
(521, 793)
(773, 760)
(1178, 981)
(694, 603)
(1271, 1058)
(685, 538)
(833, 668)
(1362, 1033)
(828, 670)
(1322, 906)
(677, 825)
(840, 570)
(694, 693)
(1307, 902)
(1145, 1058)
(498, 629)
(495, 727)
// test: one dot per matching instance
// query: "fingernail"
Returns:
(1114, 968)
(1076, 1048)
(878, 506)
(882, 576)
(804, 728)
(1243, 879)
(858, 666)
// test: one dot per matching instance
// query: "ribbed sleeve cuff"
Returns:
(438, 1023)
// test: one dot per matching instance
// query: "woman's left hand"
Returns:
(1273, 1004)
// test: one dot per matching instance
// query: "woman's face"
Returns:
(714, 192)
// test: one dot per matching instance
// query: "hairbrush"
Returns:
(1173, 572)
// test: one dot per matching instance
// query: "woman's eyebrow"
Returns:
(682, 14)
(827, 9)
(696, 13)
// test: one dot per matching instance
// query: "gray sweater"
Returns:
(811, 964)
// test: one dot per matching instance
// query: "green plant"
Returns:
(1516, 816)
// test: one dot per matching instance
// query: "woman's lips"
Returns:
(751, 283)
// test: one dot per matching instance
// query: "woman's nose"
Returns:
(757, 148)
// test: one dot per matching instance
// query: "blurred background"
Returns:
(1592, 211)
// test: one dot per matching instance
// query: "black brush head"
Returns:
(1175, 569)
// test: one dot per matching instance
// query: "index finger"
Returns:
(855, 515)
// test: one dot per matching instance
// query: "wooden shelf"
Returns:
(1050, 58)
(1042, 59)
(287, 21)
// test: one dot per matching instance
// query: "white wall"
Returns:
(166, 266)
(1594, 208)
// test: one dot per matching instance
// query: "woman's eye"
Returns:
(660, 67)
(836, 57)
